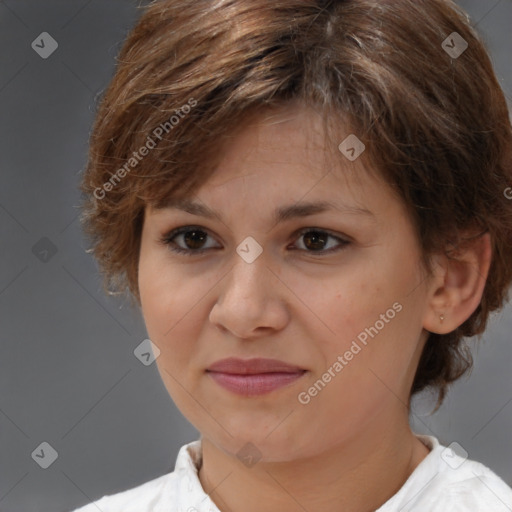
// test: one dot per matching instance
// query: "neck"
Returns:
(358, 475)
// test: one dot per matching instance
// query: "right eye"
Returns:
(193, 237)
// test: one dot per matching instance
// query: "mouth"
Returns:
(252, 377)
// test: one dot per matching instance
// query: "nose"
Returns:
(251, 300)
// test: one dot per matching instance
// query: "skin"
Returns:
(351, 446)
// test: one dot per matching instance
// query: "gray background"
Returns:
(68, 374)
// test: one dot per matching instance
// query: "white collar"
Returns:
(191, 494)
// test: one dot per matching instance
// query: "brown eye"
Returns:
(317, 240)
(192, 240)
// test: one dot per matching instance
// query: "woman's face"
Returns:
(338, 293)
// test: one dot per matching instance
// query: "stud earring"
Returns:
(441, 317)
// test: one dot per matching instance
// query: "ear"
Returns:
(457, 284)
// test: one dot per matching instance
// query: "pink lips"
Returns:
(250, 377)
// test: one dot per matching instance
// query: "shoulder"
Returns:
(453, 481)
(163, 494)
(445, 480)
(472, 487)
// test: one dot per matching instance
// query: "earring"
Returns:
(441, 317)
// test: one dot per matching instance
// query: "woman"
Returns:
(307, 200)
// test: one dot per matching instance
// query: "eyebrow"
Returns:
(281, 214)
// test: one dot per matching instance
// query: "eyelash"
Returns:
(166, 240)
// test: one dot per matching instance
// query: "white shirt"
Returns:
(442, 482)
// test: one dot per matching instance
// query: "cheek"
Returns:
(170, 301)
(167, 306)
(173, 301)
(165, 291)
(163, 301)
(335, 307)
(367, 313)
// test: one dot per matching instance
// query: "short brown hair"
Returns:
(435, 125)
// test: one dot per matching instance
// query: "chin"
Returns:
(265, 444)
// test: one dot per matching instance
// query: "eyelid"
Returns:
(339, 236)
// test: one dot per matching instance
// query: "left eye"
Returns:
(315, 240)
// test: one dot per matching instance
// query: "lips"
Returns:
(254, 366)
(252, 377)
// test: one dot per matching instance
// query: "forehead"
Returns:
(291, 133)
(294, 147)
(282, 156)
(283, 162)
